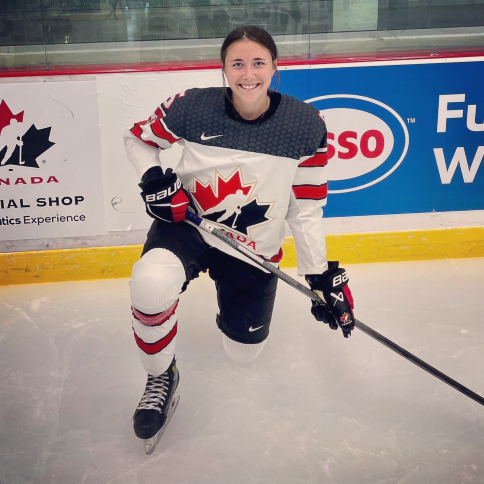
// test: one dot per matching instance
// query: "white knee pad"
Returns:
(156, 281)
(242, 353)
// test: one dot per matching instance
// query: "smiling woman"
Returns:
(253, 159)
(249, 59)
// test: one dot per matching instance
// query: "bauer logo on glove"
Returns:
(164, 195)
(168, 192)
(340, 278)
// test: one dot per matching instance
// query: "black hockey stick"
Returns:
(207, 227)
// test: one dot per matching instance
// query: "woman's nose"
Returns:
(249, 72)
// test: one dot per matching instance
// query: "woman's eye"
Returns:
(237, 64)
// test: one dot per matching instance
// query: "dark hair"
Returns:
(255, 34)
(249, 32)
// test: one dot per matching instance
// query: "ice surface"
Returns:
(314, 408)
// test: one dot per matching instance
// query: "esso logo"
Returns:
(367, 140)
(360, 141)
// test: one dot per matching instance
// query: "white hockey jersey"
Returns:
(246, 177)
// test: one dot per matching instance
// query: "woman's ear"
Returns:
(274, 66)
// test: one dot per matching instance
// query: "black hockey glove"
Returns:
(164, 195)
(332, 286)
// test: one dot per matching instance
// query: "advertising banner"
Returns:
(50, 160)
(402, 138)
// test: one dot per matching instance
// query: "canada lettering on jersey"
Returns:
(243, 240)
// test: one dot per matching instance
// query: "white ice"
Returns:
(314, 408)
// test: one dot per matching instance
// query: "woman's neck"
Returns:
(249, 111)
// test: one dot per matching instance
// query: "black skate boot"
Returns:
(156, 407)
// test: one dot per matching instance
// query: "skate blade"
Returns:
(150, 444)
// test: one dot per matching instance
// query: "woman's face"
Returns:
(249, 70)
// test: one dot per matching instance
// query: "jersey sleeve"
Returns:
(161, 130)
(305, 213)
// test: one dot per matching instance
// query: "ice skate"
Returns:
(156, 407)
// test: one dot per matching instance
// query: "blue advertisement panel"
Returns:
(404, 138)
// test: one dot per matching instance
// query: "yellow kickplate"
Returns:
(112, 262)
(68, 264)
(398, 246)
(407, 245)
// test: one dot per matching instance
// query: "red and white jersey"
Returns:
(246, 177)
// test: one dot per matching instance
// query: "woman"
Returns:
(252, 159)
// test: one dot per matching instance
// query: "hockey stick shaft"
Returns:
(219, 234)
(420, 363)
(207, 227)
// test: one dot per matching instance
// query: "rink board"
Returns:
(406, 178)
(404, 137)
(113, 262)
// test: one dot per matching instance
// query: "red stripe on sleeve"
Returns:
(276, 258)
(153, 348)
(319, 159)
(311, 192)
(136, 130)
(154, 319)
(160, 131)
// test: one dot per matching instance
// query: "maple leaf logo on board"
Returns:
(230, 202)
(18, 145)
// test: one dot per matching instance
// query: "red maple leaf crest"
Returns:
(207, 197)
(6, 115)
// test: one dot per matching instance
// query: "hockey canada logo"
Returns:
(20, 145)
(345, 319)
(231, 203)
(367, 140)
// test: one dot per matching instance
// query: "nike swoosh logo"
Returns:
(205, 138)
(251, 329)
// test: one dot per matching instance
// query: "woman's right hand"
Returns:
(164, 195)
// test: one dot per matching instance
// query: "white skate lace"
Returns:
(155, 393)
